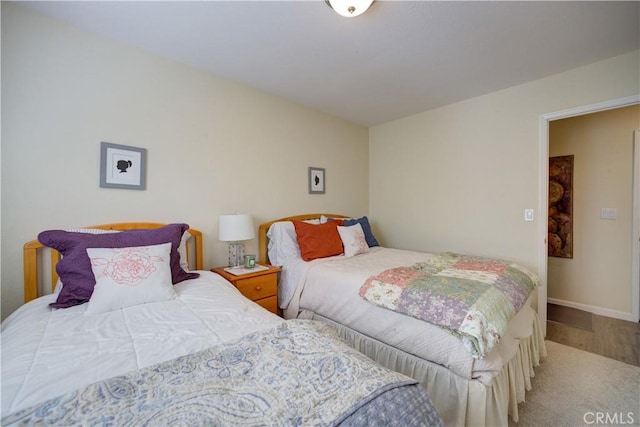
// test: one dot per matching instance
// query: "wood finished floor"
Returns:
(613, 338)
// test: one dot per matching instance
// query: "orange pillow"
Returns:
(318, 240)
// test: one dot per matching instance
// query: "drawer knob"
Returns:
(258, 288)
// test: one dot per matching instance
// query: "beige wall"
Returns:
(214, 146)
(454, 178)
(459, 177)
(599, 274)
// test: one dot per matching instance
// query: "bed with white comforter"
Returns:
(205, 356)
(62, 350)
(466, 389)
(328, 287)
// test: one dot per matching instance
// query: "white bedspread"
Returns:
(329, 287)
(47, 352)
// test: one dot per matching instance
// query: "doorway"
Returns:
(543, 203)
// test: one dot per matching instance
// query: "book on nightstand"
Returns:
(239, 271)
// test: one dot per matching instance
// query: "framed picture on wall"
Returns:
(560, 221)
(122, 166)
(316, 180)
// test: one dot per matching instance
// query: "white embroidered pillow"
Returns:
(129, 276)
(353, 240)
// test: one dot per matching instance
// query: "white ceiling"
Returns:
(397, 59)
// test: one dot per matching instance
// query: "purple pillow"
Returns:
(366, 228)
(74, 268)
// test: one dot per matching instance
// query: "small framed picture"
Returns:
(122, 166)
(316, 180)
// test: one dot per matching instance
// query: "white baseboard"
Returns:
(595, 310)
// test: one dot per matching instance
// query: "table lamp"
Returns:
(235, 228)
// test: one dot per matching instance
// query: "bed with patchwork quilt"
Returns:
(471, 297)
(461, 324)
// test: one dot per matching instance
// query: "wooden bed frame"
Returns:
(30, 255)
(263, 240)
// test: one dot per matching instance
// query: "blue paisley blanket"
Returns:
(296, 374)
(469, 296)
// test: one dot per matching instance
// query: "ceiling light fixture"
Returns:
(349, 8)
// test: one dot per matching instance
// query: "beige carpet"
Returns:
(575, 388)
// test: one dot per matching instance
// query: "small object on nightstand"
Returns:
(259, 284)
(249, 261)
(240, 271)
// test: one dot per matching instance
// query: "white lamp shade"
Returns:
(350, 8)
(236, 227)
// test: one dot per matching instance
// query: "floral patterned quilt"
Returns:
(472, 297)
(296, 374)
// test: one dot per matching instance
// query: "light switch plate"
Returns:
(528, 214)
(608, 213)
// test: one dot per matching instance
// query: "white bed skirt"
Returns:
(461, 401)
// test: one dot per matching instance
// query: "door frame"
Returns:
(543, 193)
(635, 249)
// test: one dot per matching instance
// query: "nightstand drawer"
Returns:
(259, 287)
(270, 303)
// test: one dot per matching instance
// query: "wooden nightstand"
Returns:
(260, 287)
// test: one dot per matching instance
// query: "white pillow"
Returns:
(283, 243)
(129, 276)
(182, 251)
(353, 240)
(91, 230)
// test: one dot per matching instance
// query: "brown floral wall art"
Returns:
(560, 238)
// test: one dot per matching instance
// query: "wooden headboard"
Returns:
(30, 255)
(263, 240)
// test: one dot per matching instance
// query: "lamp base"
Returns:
(236, 254)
